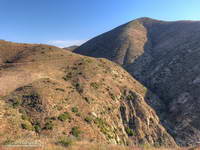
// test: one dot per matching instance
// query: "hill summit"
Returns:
(164, 56)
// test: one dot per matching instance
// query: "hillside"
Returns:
(164, 56)
(50, 95)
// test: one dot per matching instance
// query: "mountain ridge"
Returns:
(164, 57)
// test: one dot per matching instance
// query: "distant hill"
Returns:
(164, 56)
(71, 48)
(50, 95)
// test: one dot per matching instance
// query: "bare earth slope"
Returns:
(164, 56)
(47, 94)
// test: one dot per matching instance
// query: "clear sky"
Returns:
(69, 22)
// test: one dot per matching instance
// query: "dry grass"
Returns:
(92, 146)
(48, 82)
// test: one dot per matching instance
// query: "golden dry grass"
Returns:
(62, 80)
(92, 146)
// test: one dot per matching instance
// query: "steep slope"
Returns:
(47, 94)
(164, 56)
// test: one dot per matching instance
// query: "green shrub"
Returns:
(68, 76)
(49, 125)
(75, 109)
(78, 114)
(100, 122)
(26, 126)
(79, 88)
(15, 102)
(129, 131)
(65, 116)
(76, 131)
(25, 117)
(64, 141)
(37, 128)
(88, 119)
(104, 127)
(94, 85)
(131, 96)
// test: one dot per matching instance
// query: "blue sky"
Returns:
(69, 22)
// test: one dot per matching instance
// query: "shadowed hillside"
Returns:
(164, 56)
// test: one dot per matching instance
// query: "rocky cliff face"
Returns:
(164, 56)
(47, 93)
(138, 117)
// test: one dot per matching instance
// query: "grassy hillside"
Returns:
(52, 96)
